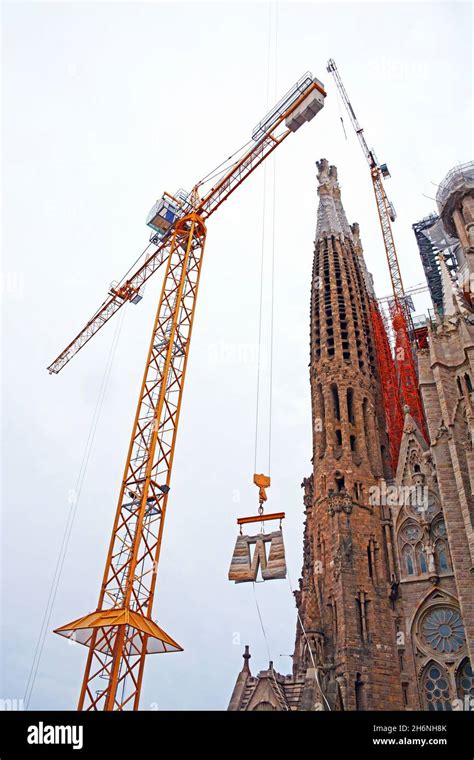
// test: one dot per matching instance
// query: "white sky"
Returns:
(105, 107)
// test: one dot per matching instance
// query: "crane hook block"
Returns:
(262, 482)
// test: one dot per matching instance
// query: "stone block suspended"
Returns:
(250, 554)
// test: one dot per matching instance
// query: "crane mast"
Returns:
(121, 631)
(399, 309)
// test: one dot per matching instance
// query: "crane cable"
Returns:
(262, 253)
(267, 644)
(313, 662)
(74, 500)
(214, 172)
(270, 660)
(339, 106)
(272, 289)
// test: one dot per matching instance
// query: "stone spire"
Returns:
(331, 215)
(343, 599)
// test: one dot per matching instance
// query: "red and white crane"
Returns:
(401, 389)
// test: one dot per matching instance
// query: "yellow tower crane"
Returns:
(121, 632)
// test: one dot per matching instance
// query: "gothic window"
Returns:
(423, 503)
(465, 680)
(335, 401)
(441, 555)
(435, 688)
(438, 529)
(264, 706)
(459, 384)
(467, 380)
(323, 420)
(407, 560)
(369, 561)
(410, 543)
(350, 405)
(405, 694)
(438, 532)
(359, 693)
(432, 507)
(411, 533)
(339, 479)
(443, 631)
(421, 558)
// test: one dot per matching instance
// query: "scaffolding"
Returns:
(432, 240)
(457, 182)
(389, 384)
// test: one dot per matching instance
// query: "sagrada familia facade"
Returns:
(385, 605)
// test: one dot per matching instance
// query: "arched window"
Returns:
(322, 411)
(465, 680)
(421, 558)
(438, 532)
(350, 405)
(407, 560)
(435, 687)
(359, 693)
(441, 555)
(467, 380)
(335, 401)
(409, 537)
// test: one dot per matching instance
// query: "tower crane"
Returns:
(406, 385)
(121, 632)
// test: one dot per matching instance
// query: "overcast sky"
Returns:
(106, 105)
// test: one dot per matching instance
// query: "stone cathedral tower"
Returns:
(344, 601)
(385, 600)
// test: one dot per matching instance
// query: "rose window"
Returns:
(443, 630)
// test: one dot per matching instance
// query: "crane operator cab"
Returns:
(166, 210)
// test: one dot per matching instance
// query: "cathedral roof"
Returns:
(268, 690)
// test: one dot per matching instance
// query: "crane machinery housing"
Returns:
(121, 632)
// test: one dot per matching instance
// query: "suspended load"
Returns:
(264, 551)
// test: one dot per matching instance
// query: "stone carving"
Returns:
(307, 484)
(340, 502)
